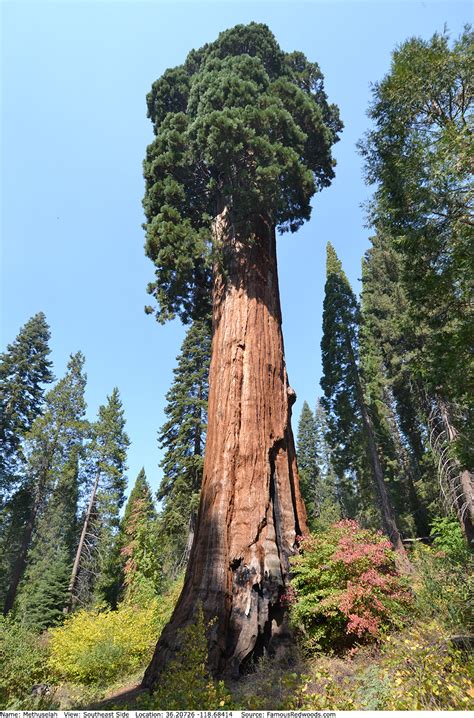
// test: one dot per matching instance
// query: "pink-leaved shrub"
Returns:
(346, 588)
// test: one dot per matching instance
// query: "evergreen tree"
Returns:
(24, 370)
(388, 341)
(331, 500)
(243, 140)
(345, 433)
(308, 464)
(97, 563)
(349, 420)
(43, 591)
(419, 154)
(52, 447)
(183, 437)
(142, 564)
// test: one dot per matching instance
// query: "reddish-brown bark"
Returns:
(251, 509)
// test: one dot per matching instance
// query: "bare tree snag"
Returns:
(77, 560)
(251, 510)
(458, 480)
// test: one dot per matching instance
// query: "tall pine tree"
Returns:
(25, 368)
(52, 447)
(344, 399)
(96, 570)
(183, 438)
(419, 155)
(306, 447)
(142, 563)
(388, 341)
(331, 499)
(43, 591)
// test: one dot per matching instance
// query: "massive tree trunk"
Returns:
(251, 510)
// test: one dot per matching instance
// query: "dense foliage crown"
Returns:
(243, 125)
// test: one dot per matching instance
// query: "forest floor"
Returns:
(266, 687)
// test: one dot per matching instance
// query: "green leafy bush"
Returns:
(186, 683)
(346, 587)
(23, 661)
(444, 588)
(448, 538)
(98, 646)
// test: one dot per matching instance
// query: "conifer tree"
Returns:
(54, 439)
(183, 437)
(43, 590)
(306, 443)
(243, 140)
(331, 499)
(419, 155)
(388, 342)
(24, 370)
(142, 563)
(344, 398)
(97, 555)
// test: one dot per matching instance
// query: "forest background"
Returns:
(74, 127)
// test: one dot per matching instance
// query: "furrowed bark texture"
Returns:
(251, 509)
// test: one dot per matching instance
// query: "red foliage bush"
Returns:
(346, 586)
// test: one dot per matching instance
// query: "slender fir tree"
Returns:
(183, 438)
(419, 155)
(344, 394)
(306, 443)
(331, 500)
(142, 563)
(51, 445)
(25, 369)
(43, 591)
(96, 569)
(388, 341)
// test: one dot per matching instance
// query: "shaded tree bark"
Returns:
(251, 509)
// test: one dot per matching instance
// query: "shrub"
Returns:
(444, 588)
(426, 672)
(23, 661)
(98, 646)
(448, 538)
(186, 683)
(347, 587)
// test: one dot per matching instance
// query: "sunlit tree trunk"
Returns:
(251, 510)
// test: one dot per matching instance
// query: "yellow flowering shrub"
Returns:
(426, 673)
(98, 646)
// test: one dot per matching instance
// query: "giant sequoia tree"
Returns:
(243, 141)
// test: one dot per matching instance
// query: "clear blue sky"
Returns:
(74, 133)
